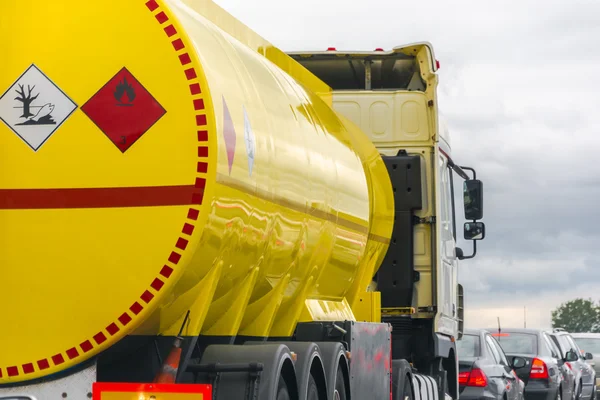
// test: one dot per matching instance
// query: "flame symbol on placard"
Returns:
(123, 88)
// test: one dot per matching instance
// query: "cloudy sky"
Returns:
(519, 87)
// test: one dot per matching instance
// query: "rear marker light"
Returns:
(379, 49)
(539, 370)
(331, 49)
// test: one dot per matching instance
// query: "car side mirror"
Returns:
(474, 231)
(589, 356)
(473, 199)
(518, 362)
(571, 356)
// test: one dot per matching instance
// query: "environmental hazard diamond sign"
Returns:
(123, 109)
(34, 107)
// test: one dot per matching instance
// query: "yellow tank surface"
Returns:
(157, 157)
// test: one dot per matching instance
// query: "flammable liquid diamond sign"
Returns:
(34, 107)
(123, 109)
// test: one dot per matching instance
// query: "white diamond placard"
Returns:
(250, 142)
(34, 107)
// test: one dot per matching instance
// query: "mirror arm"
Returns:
(472, 255)
(468, 169)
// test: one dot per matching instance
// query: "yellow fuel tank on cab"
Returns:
(154, 164)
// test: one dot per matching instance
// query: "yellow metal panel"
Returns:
(403, 119)
(200, 297)
(248, 37)
(368, 307)
(323, 310)
(226, 313)
(260, 315)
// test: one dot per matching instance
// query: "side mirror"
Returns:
(474, 231)
(589, 356)
(473, 198)
(571, 356)
(518, 362)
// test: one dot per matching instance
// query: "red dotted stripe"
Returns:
(188, 228)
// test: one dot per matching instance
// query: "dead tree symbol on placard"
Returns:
(42, 116)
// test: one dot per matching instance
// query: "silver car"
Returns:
(590, 343)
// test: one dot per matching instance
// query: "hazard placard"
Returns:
(34, 107)
(151, 391)
(123, 109)
(250, 142)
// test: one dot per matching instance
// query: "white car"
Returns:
(590, 343)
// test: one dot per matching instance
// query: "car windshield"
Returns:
(521, 343)
(468, 346)
(589, 345)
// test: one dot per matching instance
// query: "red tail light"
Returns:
(474, 378)
(539, 370)
(331, 49)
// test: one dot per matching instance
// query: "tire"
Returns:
(282, 390)
(312, 391)
(401, 374)
(340, 386)
(407, 391)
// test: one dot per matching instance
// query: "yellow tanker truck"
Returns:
(187, 212)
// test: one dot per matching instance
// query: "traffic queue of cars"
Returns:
(530, 364)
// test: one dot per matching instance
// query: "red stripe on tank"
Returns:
(151, 196)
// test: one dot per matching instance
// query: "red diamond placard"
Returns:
(123, 109)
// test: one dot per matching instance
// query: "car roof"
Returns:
(558, 333)
(517, 330)
(586, 335)
(474, 331)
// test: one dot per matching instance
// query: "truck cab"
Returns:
(392, 97)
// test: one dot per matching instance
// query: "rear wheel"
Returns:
(282, 390)
(312, 392)
(340, 386)
(407, 391)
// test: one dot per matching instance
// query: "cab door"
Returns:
(447, 262)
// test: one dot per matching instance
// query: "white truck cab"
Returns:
(392, 97)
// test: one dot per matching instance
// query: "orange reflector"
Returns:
(147, 391)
